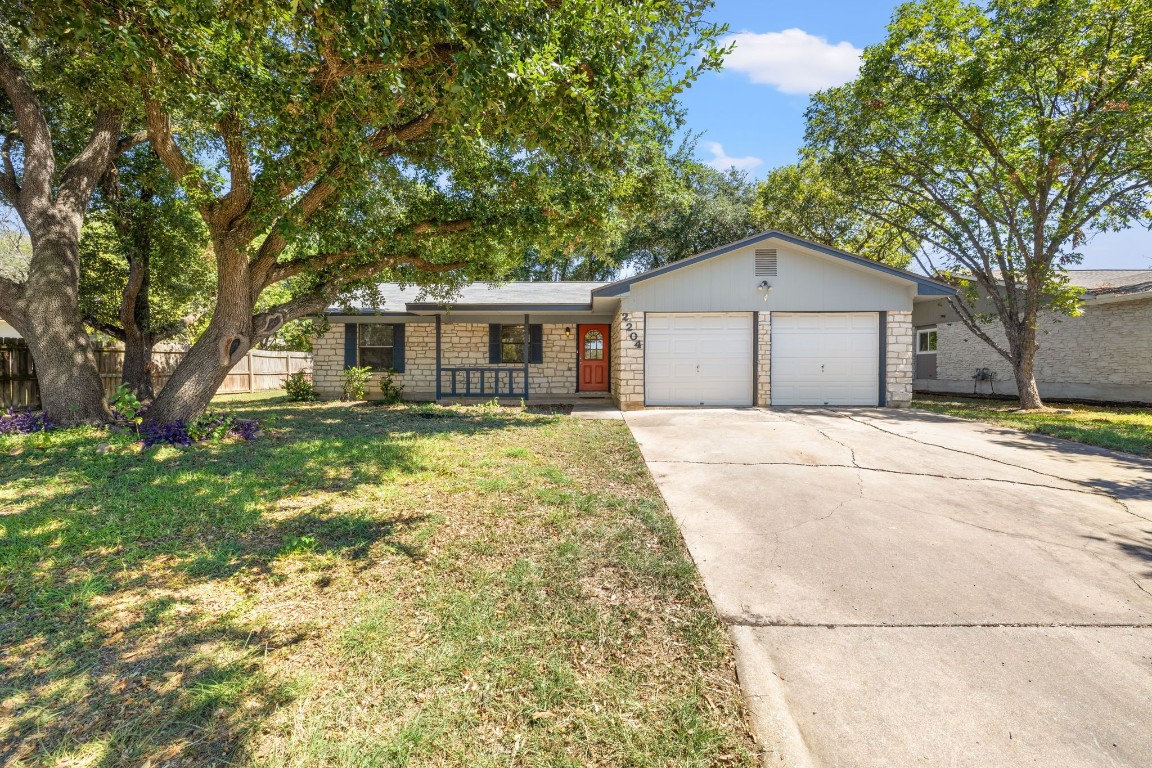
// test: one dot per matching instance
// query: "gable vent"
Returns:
(765, 262)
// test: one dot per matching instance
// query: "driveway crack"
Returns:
(1092, 489)
(1085, 489)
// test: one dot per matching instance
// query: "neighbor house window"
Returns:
(376, 346)
(511, 343)
(926, 342)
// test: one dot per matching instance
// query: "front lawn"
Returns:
(1122, 429)
(359, 586)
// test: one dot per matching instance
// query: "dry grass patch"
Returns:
(362, 586)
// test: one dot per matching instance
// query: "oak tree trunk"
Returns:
(136, 319)
(70, 388)
(137, 372)
(226, 340)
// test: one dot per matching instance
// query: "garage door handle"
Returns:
(821, 367)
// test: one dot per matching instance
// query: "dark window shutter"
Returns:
(494, 343)
(536, 343)
(398, 348)
(349, 345)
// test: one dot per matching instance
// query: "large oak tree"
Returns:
(52, 156)
(1000, 135)
(329, 144)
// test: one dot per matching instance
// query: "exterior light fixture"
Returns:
(567, 331)
(764, 287)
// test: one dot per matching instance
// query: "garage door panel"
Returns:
(825, 358)
(698, 359)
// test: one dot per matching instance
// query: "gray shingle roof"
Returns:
(1111, 281)
(397, 299)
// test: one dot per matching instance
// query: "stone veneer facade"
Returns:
(627, 360)
(462, 345)
(898, 359)
(466, 344)
(763, 359)
(1106, 353)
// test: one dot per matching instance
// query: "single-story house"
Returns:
(1105, 354)
(770, 320)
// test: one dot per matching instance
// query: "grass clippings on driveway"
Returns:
(1118, 428)
(360, 586)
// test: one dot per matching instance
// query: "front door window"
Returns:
(593, 345)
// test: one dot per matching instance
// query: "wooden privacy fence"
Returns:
(257, 371)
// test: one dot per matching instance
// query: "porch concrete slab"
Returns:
(596, 411)
(867, 560)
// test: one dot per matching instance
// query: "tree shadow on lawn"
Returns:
(110, 653)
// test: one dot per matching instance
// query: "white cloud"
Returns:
(793, 61)
(721, 161)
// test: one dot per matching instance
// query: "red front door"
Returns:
(593, 357)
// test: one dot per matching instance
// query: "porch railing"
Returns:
(487, 381)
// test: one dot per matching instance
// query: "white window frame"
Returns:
(925, 332)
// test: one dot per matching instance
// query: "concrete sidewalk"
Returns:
(908, 589)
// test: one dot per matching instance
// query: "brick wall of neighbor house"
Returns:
(898, 363)
(1105, 353)
(764, 360)
(628, 361)
(462, 344)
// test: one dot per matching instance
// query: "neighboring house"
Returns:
(1104, 354)
(772, 319)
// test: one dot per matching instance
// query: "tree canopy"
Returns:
(809, 200)
(999, 135)
(423, 142)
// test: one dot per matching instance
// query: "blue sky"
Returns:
(752, 114)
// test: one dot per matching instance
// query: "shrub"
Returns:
(393, 392)
(23, 423)
(128, 407)
(354, 382)
(299, 387)
(208, 426)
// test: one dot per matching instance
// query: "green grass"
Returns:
(361, 586)
(1118, 428)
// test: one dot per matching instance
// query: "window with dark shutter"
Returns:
(765, 262)
(512, 343)
(375, 346)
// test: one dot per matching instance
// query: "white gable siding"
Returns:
(806, 282)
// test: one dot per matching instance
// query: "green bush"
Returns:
(354, 382)
(393, 392)
(299, 387)
(128, 406)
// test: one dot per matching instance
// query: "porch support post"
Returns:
(527, 352)
(438, 386)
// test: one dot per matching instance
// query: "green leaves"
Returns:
(1006, 132)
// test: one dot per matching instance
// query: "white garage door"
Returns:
(825, 359)
(698, 359)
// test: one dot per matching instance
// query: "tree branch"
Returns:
(239, 196)
(131, 140)
(39, 157)
(164, 144)
(114, 331)
(81, 176)
(9, 186)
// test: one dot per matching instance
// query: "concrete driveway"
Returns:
(907, 589)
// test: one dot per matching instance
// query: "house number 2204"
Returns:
(633, 336)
